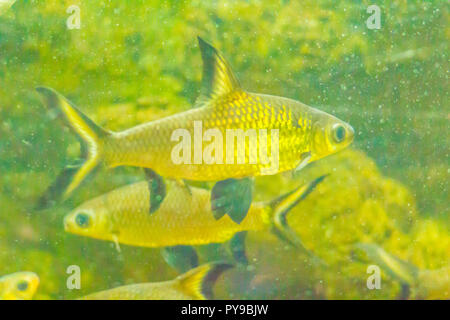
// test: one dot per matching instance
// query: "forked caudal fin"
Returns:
(91, 136)
(198, 282)
(282, 205)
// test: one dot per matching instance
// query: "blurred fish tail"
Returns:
(198, 282)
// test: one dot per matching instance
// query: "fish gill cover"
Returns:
(141, 62)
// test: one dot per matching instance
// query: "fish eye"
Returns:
(22, 286)
(338, 133)
(82, 220)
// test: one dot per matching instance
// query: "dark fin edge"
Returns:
(211, 277)
(282, 206)
(53, 192)
(232, 197)
(199, 282)
(218, 78)
(157, 189)
(86, 130)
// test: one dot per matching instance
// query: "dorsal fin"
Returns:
(218, 78)
(198, 282)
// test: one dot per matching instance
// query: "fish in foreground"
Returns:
(304, 134)
(418, 284)
(5, 5)
(18, 286)
(183, 218)
(195, 284)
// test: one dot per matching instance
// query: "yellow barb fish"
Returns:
(18, 286)
(423, 284)
(209, 142)
(196, 284)
(183, 218)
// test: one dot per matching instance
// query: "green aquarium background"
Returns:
(136, 61)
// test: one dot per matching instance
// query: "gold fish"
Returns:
(183, 218)
(196, 284)
(294, 133)
(18, 286)
(424, 284)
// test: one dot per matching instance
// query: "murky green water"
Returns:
(132, 62)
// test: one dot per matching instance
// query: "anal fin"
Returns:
(232, 197)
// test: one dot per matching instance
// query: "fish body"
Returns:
(293, 133)
(196, 284)
(151, 145)
(423, 284)
(184, 217)
(18, 286)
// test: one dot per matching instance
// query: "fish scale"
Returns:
(183, 218)
(251, 135)
(185, 215)
(150, 145)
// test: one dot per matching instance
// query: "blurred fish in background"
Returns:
(18, 286)
(193, 285)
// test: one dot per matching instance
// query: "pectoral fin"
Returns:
(115, 238)
(303, 162)
(181, 258)
(157, 189)
(232, 197)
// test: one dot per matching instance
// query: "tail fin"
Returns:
(281, 206)
(398, 269)
(90, 134)
(198, 282)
